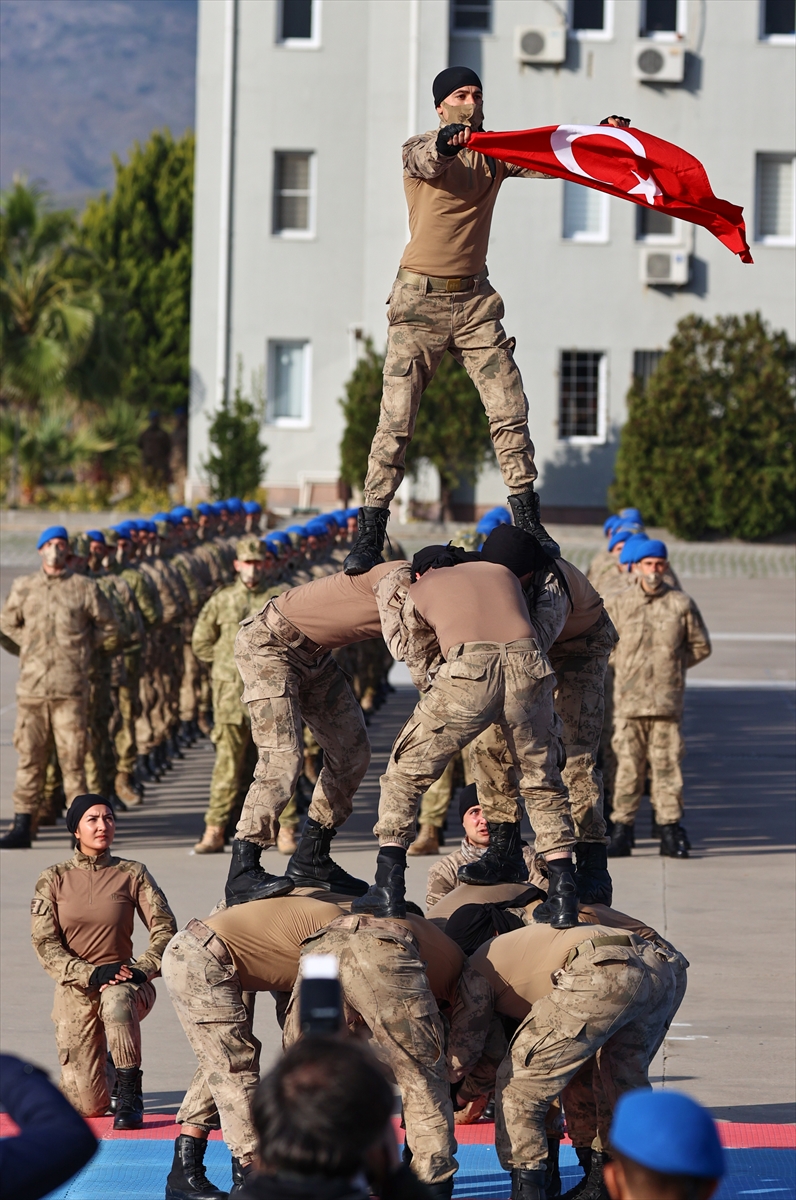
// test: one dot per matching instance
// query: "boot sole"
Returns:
(266, 893)
(328, 885)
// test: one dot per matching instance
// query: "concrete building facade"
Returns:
(300, 220)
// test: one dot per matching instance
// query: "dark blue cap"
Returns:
(667, 1132)
(52, 531)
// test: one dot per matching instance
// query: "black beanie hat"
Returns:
(513, 548)
(450, 79)
(80, 806)
(468, 798)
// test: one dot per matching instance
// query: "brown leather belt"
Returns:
(287, 632)
(212, 943)
(464, 283)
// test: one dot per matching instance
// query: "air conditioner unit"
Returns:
(659, 62)
(665, 267)
(536, 45)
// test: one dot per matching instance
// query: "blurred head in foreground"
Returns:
(664, 1146)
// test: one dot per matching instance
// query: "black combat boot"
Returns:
(18, 836)
(502, 862)
(153, 763)
(247, 880)
(592, 878)
(526, 509)
(142, 770)
(173, 747)
(130, 1102)
(527, 1185)
(621, 841)
(560, 909)
(312, 866)
(239, 1176)
(185, 734)
(674, 841)
(366, 550)
(591, 1186)
(187, 1179)
(385, 897)
(439, 1191)
(552, 1173)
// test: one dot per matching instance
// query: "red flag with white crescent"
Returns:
(627, 163)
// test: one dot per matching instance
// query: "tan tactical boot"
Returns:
(426, 842)
(212, 841)
(286, 840)
(123, 788)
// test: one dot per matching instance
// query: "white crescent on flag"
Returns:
(561, 143)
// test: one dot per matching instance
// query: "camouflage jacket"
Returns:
(55, 623)
(443, 874)
(409, 638)
(144, 591)
(128, 886)
(168, 591)
(213, 642)
(661, 635)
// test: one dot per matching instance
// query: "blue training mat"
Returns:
(126, 1169)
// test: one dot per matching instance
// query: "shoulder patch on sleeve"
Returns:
(38, 906)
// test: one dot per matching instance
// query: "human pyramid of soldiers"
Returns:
(521, 985)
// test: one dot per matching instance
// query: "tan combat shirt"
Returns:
(450, 202)
(264, 938)
(83, 913)
(337, 609)
(472, 602)
(660, 636)
(55, 623)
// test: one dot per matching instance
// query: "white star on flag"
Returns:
(647, 188)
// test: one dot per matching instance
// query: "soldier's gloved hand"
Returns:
(443, 138)
(617, 122)
(108, 973)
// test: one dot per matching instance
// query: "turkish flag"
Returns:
(626, 163)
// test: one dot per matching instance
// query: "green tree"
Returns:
(709, 446)
(236, 466)
(137, 251)
(452, 431)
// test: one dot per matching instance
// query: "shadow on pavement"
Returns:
(759, 1114)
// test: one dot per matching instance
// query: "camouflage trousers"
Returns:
(129, 712)
(481, 684)
(606, 756)
(386, 991)
(422, 326)
(437, 800)
(637, 742)
(39, 725)
(207, 996)
(587, 1108)
(234, 753)
(611, 999)
(190, 685)
(284, 687)
(100, 756)
(147, 694)
(89, 1025)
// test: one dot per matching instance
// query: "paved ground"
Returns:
(730, 908)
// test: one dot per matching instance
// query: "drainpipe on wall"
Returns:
(226, 220)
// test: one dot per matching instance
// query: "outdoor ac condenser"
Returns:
(664, 267)
(536, 45)
(658, 62)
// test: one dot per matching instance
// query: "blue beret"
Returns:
(167, 517)
(220, 506)
(351, 512)
(631, 516)
(280, 535)
(52, 531)
(180, 510)
(252, 507)
(621, 534)
(204, 509)
(340, 515)
(301, 530)
(640, 546)
(234, 505)
(667, 1132)
(149, 526)
(124, 529)
(613, 522)
(273, 544)
(490, 521)
(95, 535)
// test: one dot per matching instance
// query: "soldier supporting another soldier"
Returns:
(83, 913)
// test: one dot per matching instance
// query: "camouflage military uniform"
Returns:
(105, 673)
(443, 875)
(90, 1023)
(55, 624)
(214, 642)
(661, 635)
(287, 681)
(386, 990)
(614, 999)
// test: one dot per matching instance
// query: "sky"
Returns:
(81, 80)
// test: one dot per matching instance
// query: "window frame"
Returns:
(675, 238)
(665, 35)
(305, 420)
(606, 34)
(603, 235)
(601, 436)
(771, 39)
(295, 235)
(454, 31)
(311, 43)
(774, 239)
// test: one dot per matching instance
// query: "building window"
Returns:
(289, 376)
(294, 193)
(778, 20)
(471, 16)
(582, 396)
(652, 225)
(591, 19)
(664, 19)
(299, 23)
(644, 363)
(585, 214)
(776, 197)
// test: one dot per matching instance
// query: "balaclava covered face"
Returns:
(54, 554)
(471, 115)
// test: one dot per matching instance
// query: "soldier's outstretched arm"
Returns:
(61, 964)
(422, 158)
(153, 909)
